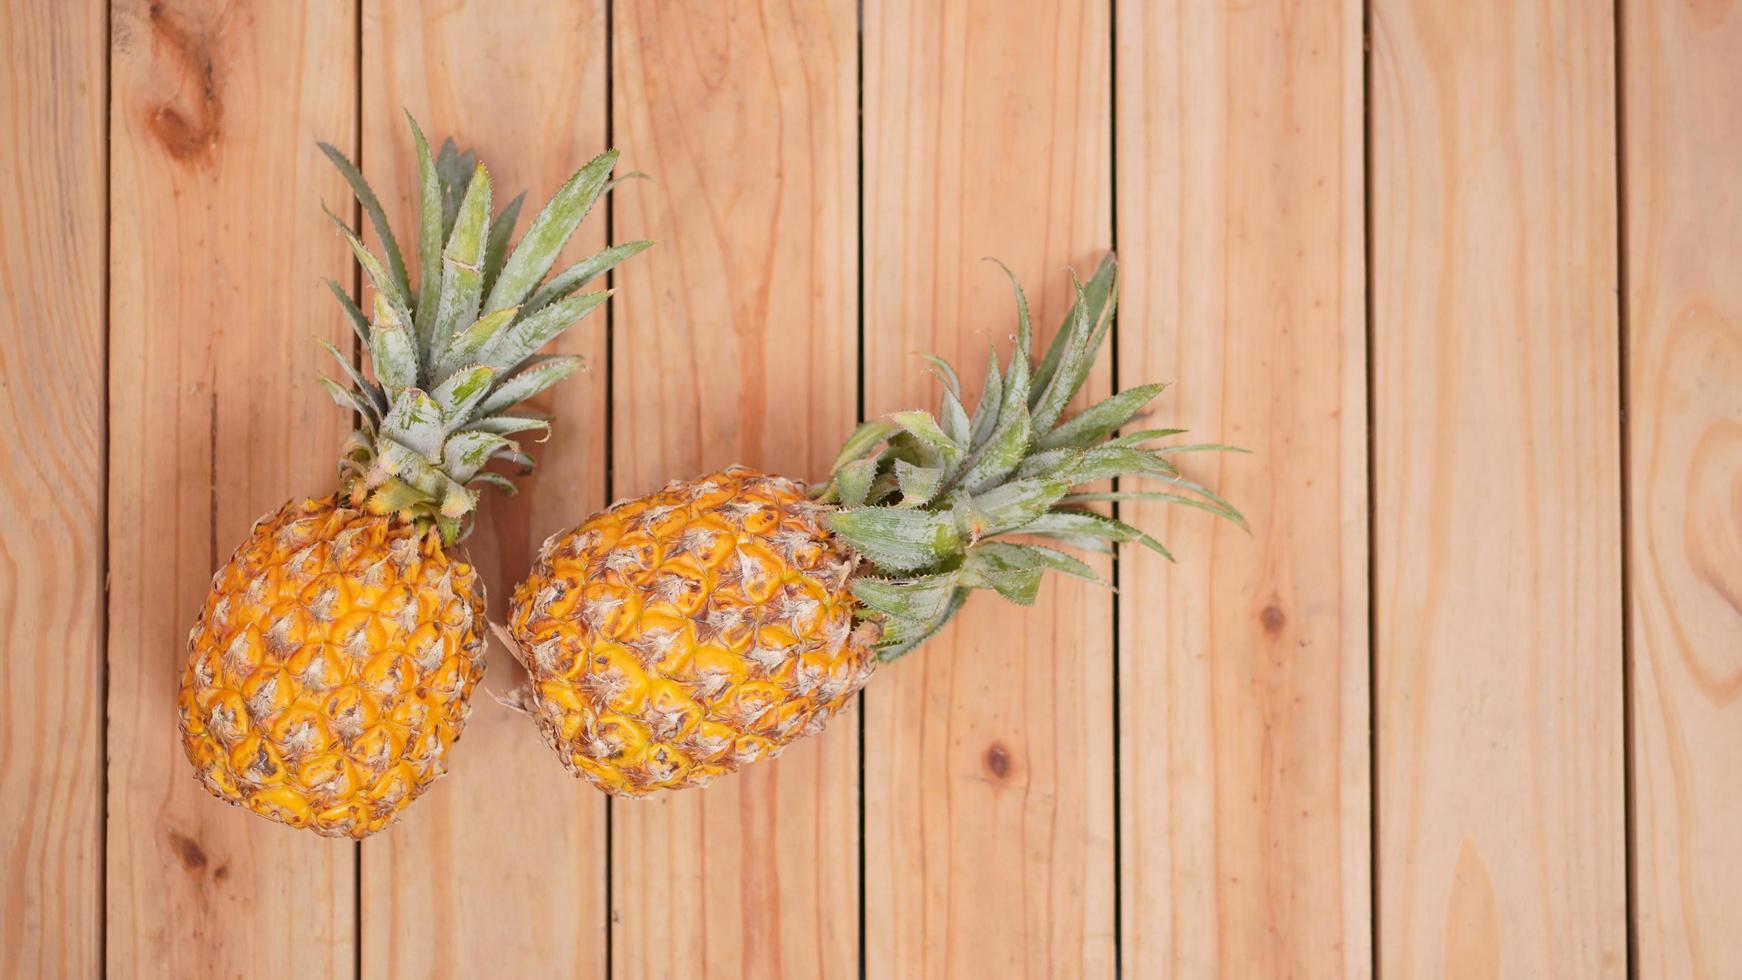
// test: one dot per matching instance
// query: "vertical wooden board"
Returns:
(1497, 526)
(500, 870)
(989, 751)
(218, 245)
(734, 342)
(51, 542)
(1243, 669)
(1683, 136)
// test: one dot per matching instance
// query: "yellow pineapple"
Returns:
(333, 662)
(684, 634)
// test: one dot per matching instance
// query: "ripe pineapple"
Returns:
(333, 662)
(684, 634)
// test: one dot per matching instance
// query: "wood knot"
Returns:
(190, 122)
(192, 855)
(997, 761)
(1272, 619)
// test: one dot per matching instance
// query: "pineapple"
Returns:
(333, 662)
(684, 634)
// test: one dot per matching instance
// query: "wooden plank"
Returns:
(1243, 669)
(1497, 545)
(218, 246)
(1683, 136)
(53, 94)
(468, 881)
(988, 753)
(735, 343)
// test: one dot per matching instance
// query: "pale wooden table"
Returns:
(1465, 703)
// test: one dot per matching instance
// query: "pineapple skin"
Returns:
(682, 635)
(331, 668)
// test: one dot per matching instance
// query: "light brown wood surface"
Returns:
(1497, 649)
(451, 891)
(989, 754)
(51, 491)
(1683, 141)
(735, 342)
(1243, 669)
(1464, 703)
(216, 257)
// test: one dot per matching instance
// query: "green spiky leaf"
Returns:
(378, 277)
(897, 540)
(1076, 527)
(364, 386)
(454, 171)
(349, 398)
(583, 272)
(986, 413)
(1009, 506)
(853, 481)
(922, 598)
(495, 481)
(1096, 463)
(528, 334)
(945, 373)
(377, 217)
(468, 345)
(515, 457)
(1100, 420)
(429, 232)
(501, 230)
(1015, 571)
(461, 393)
(902, 634)
(507, 425)
(466, 453)
(463, 263)
(1094, 297)
(354, 316)
(415, 421)
(1005, 448)
(918, 484)
(866, 436)
(1024, 324)
(953, 418)
(549, 232)
(935, 445)
(1076, 357)
(1146, 435)
(532, 379)
(392, 347)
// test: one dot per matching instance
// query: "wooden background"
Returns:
(1466, 276)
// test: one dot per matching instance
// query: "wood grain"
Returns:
(989, 752)
(1496, 468)
(51, 433)
(1239, 725)
(500, 870)
(218, 246)
(735, 343)
(1684, 331)
(1243, 669)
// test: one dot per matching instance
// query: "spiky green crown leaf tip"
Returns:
(927, 499)
(452, 357)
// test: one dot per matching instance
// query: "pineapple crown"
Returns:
(927, 500)
(452, 358)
